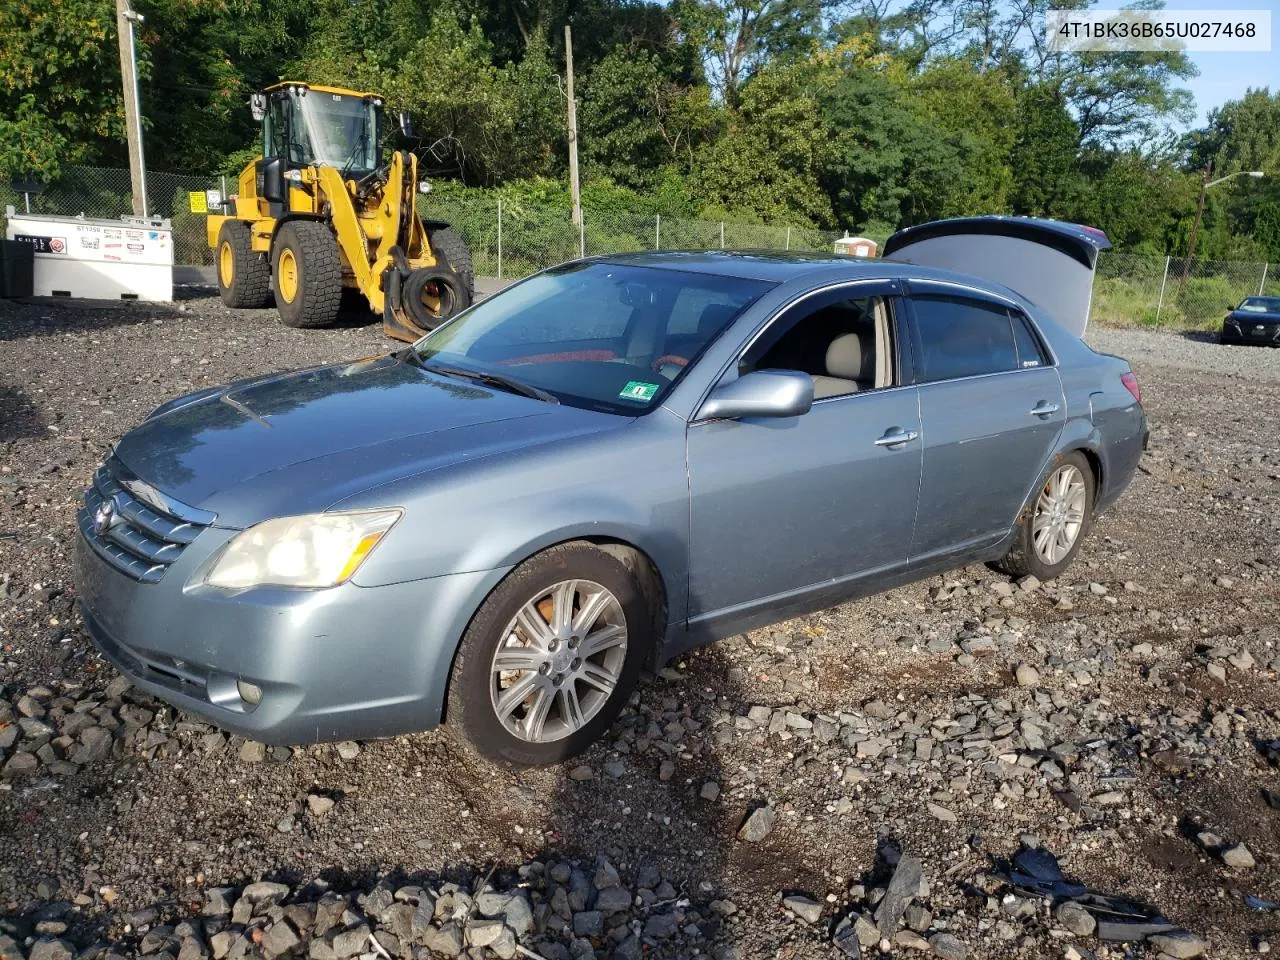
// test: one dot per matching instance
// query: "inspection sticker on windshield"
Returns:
(638, 390)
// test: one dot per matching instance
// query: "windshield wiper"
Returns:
(409, 355)
(357, 149)
(492, 379)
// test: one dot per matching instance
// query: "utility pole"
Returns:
(1205, 184)
(125, 20)
(573, 128)
(1195, 226)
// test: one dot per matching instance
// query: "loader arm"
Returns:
(400, 227)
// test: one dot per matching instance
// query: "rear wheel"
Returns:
(244, 279)
(550, 657)
(1049, 534)
(307, 272)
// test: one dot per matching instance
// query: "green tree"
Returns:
(769, 156)
(59, 84)
(1045, 157)
(737, 37)
(636, 119)
(888, 162)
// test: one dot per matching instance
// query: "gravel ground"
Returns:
(854, 782)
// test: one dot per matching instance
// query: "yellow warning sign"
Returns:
(199, 202)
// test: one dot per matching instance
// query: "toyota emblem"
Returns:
(102, 517)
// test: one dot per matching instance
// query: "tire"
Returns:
(1024, 558)
(475, 686)
(448, 242)
(244, 277)
(305, 263)
(431, 296)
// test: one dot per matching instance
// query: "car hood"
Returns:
(299, 442)
(1248, 316)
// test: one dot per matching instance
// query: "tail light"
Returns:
(1131, 384)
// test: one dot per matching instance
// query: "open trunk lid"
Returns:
(1049, 262)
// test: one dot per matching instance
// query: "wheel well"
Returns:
(1095, 465)
(291, 218)
(631, 557)
(650, 579)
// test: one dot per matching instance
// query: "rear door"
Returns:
(991, 406)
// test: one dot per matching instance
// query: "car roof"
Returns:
(782, 267)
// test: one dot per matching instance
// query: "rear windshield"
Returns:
(605, 336)
(1260, 305)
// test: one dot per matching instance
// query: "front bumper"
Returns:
(1249, 333)
(344, 663)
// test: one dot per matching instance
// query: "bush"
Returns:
(1120, 301)
(1205, 299)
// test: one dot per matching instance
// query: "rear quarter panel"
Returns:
(1102, 415)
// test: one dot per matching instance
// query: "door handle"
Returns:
(896, 437)
(1044, 409)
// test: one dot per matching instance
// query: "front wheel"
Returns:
(1048, 534)
(550, 657)
(307, 272)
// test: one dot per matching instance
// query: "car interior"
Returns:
(845, 346)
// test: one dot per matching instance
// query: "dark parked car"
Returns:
(605, 465)
(1256, 320)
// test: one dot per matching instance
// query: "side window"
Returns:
(1030, 352)
(962, 338)
(846, 345)
(273, 129)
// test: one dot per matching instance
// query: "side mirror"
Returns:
(272, 187)
(406, 125)
(258, 106)
(761, 393)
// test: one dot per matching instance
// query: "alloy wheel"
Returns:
(1059, 514)
(559, 661)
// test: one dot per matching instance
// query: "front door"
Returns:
(784, 508)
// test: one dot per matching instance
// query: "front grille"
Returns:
(145, 531)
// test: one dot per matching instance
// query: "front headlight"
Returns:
(313, 550)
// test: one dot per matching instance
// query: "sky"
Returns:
(1226, 76)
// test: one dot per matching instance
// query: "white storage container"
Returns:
(126, 259)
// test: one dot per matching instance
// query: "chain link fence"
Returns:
(106, 192)
(1175, 292)
(510, 239)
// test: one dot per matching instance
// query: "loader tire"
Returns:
(244, 277)
(431, 296)
(307, 274)
(448, 242)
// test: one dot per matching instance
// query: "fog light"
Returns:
(250, 693)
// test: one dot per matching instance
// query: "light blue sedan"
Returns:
(607, 464)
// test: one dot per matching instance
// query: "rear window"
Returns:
(962, 338)
(1030, 351)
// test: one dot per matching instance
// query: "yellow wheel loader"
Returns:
(320, 211)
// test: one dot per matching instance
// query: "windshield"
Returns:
(331, 129)
(599, 335)
(1260, 305)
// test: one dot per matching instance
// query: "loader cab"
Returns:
(306, 126)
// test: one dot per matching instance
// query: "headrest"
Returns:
(846, 357)
(713, 318)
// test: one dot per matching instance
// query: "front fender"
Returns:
(627, 485)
